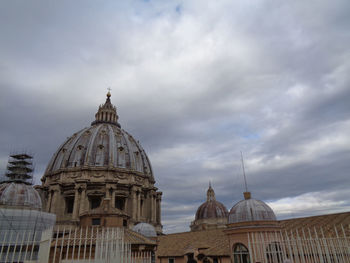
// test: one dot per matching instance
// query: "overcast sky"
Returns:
(196, 82)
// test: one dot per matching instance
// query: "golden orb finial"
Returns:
(109, 93)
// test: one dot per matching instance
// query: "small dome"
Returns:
(19, 194)
(211, 208)
(250, 210)
(145, 229)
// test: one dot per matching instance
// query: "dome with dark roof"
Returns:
(102, 145)
(211, 208)
(19, 194)
(249, 210)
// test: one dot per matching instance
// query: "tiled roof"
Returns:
(133, 237)
(215, 242)
(325, 222)
(210, 242)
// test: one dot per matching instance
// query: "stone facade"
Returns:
(101, 176)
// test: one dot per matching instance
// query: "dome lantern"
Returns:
(107, 113)
(210, 194)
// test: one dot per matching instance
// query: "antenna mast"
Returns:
(245, 179)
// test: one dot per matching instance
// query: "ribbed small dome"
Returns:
(250, 210)
(211, 208)
(103, 144)
(19, 194)
(145, 229)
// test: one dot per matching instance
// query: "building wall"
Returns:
(238, 234)
(141, 200)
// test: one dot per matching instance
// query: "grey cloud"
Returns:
(214, 80)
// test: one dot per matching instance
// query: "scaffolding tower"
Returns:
(20, 168)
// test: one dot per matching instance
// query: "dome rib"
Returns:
(91, 144)
(72, 148)
(112, 149)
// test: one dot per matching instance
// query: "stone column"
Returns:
(159, 212)
(151, 205)
(113, 198)
(55, 191)
(154, 209)
(76, 204)
(134, 203)
(82, 200)
(48, 204)
(138, 215)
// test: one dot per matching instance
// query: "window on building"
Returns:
(240, 254)
(215, 260)
(141, 207)
(274, 253)
(171, 260)
(95, 202)
(96, 221)
(69, 204)
(119, 202)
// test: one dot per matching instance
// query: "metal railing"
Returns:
(302, 245)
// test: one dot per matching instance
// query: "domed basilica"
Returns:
(101, 176)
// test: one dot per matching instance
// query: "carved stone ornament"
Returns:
(74, 175)
(139, 179)
(97, 175)
(120, 176)
(55, 177)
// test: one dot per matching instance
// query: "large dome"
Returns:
(19, 194)
(250, 210)
(102, 145)
(101, 176)
(211, 208)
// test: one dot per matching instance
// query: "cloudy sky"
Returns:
(196, 82)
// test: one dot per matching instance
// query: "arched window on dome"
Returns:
(138, 163)
(99, 155)
(240, 253)
(77, 157)
(121, 156)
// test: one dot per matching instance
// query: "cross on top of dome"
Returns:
(107, 113)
